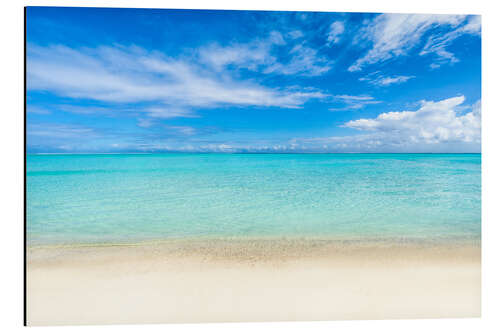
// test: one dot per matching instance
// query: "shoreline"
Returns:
(224, 247)
(226, 280)
(345, 239)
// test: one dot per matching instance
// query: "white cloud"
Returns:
(433, 122)
(354, 98)
(170, 112)
(253, 55)
(223, 147)
(84, 109)
(336, 29)
(275, 37)
(305, 61)
(296, 34)
(145, 122)
(437, 44)
(59, 131)
(394, 35)
(380, 80)
(124, 75)
(184, 130)
(441, 126)
(473, 25)
(37, 110)
(258, 56)
(351, 102)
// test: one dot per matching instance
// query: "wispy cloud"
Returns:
(336, 30)
(305, 61)
(170, 112)
(145, 122)
(437, 44)
(78, 109)
(296, 34)
(37, 110)
(352, 102)
(59, 131)
(381, 80)
(258, 55)
(394, 35)
(184, 130)
(131, 74)
(255, 55)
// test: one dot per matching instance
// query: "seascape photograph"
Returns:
(194, 166)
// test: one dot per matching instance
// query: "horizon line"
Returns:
(251, 153)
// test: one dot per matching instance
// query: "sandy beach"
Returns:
(228, 280)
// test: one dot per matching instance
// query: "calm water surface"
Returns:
(129, 198)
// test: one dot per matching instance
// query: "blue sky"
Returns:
(142, 80)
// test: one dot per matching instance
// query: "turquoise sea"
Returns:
(138, 197)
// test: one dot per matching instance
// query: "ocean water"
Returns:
(138, 197)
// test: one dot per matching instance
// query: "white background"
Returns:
(11, 163)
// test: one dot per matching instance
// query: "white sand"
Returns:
(222, 281)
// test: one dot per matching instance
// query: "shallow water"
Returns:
(130, 198)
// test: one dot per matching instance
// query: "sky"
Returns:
(102, 80)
